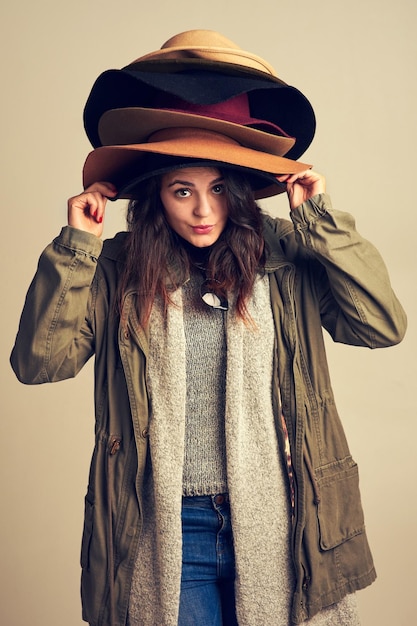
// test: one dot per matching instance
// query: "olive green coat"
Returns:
(322, 274)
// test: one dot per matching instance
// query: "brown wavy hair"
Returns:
(157, 260)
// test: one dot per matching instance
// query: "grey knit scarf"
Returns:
(257, 483)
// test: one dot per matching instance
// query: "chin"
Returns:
(202, 241)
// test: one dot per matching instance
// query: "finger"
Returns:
(301, 177)
(87, 202)
(104, 188)
(282, 178)
(290, 178)
(86, 209)
(97, 206)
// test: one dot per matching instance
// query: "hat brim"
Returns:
(135, 125)
(210, 47)
(120, 164)
(171, 62)
(263, 184)
(167, 64)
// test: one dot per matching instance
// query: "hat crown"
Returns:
(200, 38)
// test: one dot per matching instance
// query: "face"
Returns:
(195, 205)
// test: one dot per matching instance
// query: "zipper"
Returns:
(113, 449)
(296, 432)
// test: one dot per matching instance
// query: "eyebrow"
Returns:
(187, 183)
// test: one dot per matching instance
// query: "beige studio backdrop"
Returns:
(356, 61)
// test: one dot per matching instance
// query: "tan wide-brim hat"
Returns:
(123, 165)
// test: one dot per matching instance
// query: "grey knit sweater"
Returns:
(205, 351)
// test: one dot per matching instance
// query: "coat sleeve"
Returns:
(357, 303)
(55, 337)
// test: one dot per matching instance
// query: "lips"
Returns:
(202, 230)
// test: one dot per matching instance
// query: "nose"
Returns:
(202, 206)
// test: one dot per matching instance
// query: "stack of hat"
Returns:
(200, 99)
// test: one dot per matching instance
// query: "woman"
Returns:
(222, 489)
(273, 276)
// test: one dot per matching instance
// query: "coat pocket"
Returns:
(87, 534)
(339, 510)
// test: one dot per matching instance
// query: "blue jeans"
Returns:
(208, 567)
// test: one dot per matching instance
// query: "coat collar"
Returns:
(275, 232)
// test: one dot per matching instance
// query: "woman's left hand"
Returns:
(302, 186)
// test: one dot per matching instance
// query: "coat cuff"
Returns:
(79, 241)
(311, 210)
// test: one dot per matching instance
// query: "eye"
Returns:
(218, 189)
(183, 192)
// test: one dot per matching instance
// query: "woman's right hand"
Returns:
(86, 211)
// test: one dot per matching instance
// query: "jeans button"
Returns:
(219, 499)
